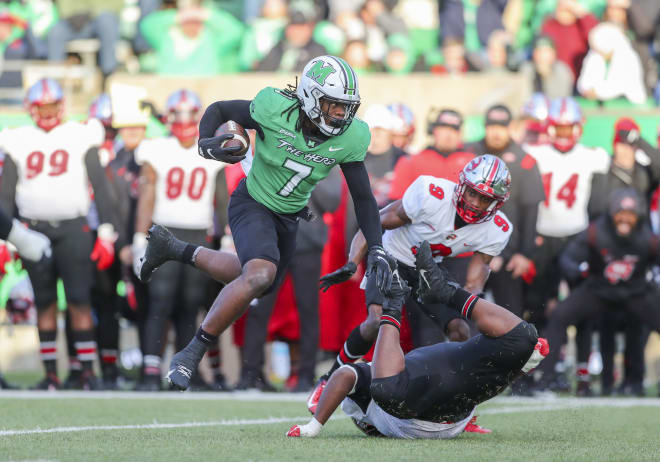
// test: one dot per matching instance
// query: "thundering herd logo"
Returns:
(320, 72)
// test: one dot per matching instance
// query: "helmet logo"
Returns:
(320, 72)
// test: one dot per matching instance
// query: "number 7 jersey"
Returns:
(567, 183)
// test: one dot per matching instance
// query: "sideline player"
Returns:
(303, 132)
(456, 218)
(46, 174)
(567, 168)
(432, 391)
(178, 189)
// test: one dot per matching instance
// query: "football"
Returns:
(240, 138)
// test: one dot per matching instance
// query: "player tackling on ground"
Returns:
(455, 218)
(302, 134)
(432, 391)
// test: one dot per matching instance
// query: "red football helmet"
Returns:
(183, 113)
(488, 176)
(564, 123)
(44, 102)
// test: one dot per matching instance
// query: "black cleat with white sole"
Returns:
(162, 247)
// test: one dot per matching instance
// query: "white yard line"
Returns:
(556, 404)
(168, 395)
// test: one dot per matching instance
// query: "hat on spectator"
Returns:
(498, 115)
(447, 118)
(378, 116)
(626, 199)
(302, 12)
(624, 124)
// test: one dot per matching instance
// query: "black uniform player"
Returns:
(432, 391)
(613, 255)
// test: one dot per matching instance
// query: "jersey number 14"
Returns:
(566, 193)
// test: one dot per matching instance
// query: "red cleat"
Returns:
(294, 431)
(472, 427)
(315, 396)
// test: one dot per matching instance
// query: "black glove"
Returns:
(209, 148)
(383, 264)
(630, 137)
(435, 285)
(338, 276)
(395, 296)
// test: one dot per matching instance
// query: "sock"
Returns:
(214, 359)
(207, 339)
(197, 347)
(151, 365)
(48, 349)
(108, 357)
(74, 365)
(353, 349)
(464, 302)
(189, 253)
(85, 345)
(582, 372)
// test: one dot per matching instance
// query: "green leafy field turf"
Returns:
(244, 427)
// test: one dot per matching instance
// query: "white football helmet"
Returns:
(330, 79)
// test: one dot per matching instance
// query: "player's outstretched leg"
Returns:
(163, 246)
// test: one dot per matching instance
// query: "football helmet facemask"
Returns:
(183, 109)
(564, 112)
(328, 80)
(488, 176)
(44, 102)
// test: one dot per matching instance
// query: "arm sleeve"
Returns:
(366, 209)
(8, 186)
(576, 252)
(222, 111)
(102, 191)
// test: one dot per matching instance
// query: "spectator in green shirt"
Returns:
(193, 40)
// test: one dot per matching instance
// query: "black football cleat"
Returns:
(50, 383)
(162, 246)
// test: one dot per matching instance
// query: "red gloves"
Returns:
(104, 248)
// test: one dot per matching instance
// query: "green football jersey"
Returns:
(285, 168)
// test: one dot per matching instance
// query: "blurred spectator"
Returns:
(532, 124)
(193, 40)
(569, 29)
(455, 61)
(515, 262)
(547, 74)
(422, 21)
(445, 129)
(83, 19)
(382, 155)
(635, 164)
(400, 57)
(611, 68)
(473, 21)
(357, 56)
(404, 130)
(623, 14)
(298, 45)
(16, 42)
(264, 33)
(305, 270)
(380, 24)
(496, 57)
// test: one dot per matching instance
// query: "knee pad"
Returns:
(523, 339)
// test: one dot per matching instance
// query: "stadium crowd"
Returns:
(569, 204)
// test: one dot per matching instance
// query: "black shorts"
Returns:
(260, 233)
(444, 382)
(72, 244)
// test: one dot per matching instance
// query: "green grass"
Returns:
(580, 431)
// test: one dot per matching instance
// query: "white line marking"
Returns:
(557, 404)
(168, 395)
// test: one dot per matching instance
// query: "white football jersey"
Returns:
(428, 202)
(52, 176)
(567, 183)
(185, 183)
(394, 427)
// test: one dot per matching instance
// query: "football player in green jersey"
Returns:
(303, 132)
